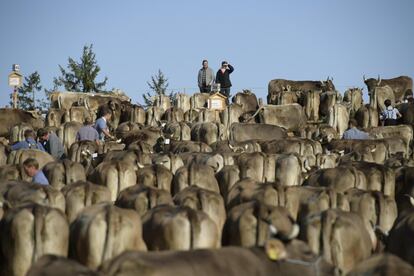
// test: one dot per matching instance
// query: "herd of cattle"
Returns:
(185, 190)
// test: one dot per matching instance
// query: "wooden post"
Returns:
(15, 98)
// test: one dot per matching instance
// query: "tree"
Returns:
(81, 76)
(158, 86)
(27, 93)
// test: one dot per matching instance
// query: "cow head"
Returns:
(372, 83)
(279, 221)
(328, 84)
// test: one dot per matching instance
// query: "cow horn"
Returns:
(294, 233)
(273, 230)
(379, 80)
(306, 165)
(411, 200)
(363, 77)
(140, 165)
(231, 147)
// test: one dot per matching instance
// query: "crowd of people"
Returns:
(206, 78)
(49, 142)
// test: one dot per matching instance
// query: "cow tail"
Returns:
(379, 207)
(66, 168)
(88, 195)
(59, 100)
(119, 169)
(108, 242)
(192, 102)
(39, 213)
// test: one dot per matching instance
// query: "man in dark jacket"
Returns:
(51, 143)
(223, 77)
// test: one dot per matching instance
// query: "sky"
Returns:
(263, 40)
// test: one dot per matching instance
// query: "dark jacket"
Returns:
(54, 146)
(224, 78)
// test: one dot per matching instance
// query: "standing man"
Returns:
(205, 78)
(102, 126)
(223, 77)
(51, 143)
(31, 167)
(87, 132)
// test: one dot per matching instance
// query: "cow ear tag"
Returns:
(275, 250)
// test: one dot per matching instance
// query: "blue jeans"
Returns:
(225, 91)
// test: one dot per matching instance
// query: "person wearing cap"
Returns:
(51, 143)
(29, 142)
(390, 114)
(31, 168)
(223, 77)
(87, 132)
(205, 77)
(353, 133)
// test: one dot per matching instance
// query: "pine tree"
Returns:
(26, 97)
(81, 76)
(158, 86)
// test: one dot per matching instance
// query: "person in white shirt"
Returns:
(390, 114)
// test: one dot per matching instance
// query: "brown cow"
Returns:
(36, 230)
(289, 116)
(384, 264)
(177, 131)
(252, 223)
(247, 100)
(353, 96)
(82, 194)
(204, 200)
(208, 133)
(295, 259)
(11, 117)
(195, 174)
(103, 231)
(377, 209)
(116, 175)
(64, 172)
(342, 238)
(179, 228)
(311, 104)
(51, 265)
(142, 198)
(401, 86)
(173, 114)
(154, 175)
(401, 236)
(169, 160)
(240, 132)
(182, 101)
(20, 193)
(67, 134)
(279, 85)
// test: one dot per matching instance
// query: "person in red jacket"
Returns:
(223, 77)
